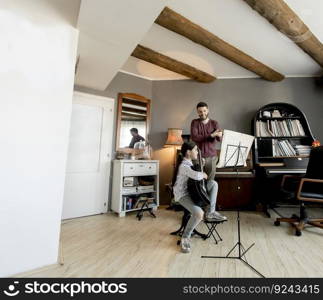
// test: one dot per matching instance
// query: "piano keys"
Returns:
(285, 171)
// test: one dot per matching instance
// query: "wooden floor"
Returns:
(109, 246)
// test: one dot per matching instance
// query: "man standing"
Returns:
(205, 133)
(135, 137)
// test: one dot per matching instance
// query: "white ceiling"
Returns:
(105, 45)
(109, 31)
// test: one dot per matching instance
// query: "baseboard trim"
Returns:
(37, 270)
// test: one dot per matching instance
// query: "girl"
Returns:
(184, 171)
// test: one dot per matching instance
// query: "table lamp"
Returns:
(174, 140)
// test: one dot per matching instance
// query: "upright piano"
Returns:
(236, 188)
(283, 140)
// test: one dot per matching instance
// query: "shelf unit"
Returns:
(270, 168)
(121, 195)
(263, 148)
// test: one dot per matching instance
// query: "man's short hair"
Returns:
(135, 130)
(201, 104)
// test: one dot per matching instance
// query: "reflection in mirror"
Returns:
(133, 121)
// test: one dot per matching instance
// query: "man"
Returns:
(135, 137)
(205, 133)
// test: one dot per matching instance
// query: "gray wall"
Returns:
(233, 102)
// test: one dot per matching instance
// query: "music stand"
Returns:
(235, 156)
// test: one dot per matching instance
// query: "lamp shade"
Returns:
(174, 137)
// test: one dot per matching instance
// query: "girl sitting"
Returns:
(183, 172)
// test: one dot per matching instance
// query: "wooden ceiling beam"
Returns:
(179, 24)
(171, 64)
(279, 14)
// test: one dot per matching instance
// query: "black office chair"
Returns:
(305, 189)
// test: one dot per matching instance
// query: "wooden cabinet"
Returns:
(236, 186)
(134, 181)
(235, 191)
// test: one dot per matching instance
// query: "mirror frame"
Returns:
(138, 98)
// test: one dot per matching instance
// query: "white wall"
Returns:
(37, 57)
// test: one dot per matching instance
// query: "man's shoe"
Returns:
(215, 216)
(186, 245)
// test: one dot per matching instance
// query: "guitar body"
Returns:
(197, 188)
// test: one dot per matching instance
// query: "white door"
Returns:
(89, 156)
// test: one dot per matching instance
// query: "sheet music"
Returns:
(233, 158)
(234, 149)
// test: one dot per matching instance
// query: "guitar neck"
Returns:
(200, 159)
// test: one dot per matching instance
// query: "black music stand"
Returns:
(240, 161)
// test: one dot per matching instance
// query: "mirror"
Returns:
(133, 121)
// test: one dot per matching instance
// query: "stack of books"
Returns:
(142, 199)
(276, 128)
(129, 181)
(283, 148)
(303, 150)
(134, 202)
(129, 202)
(129, 190)
(145, 188)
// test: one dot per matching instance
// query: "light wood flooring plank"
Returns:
(109, 246)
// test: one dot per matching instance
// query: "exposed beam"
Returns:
(179, 24)
(171, 64)
(278, 13)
